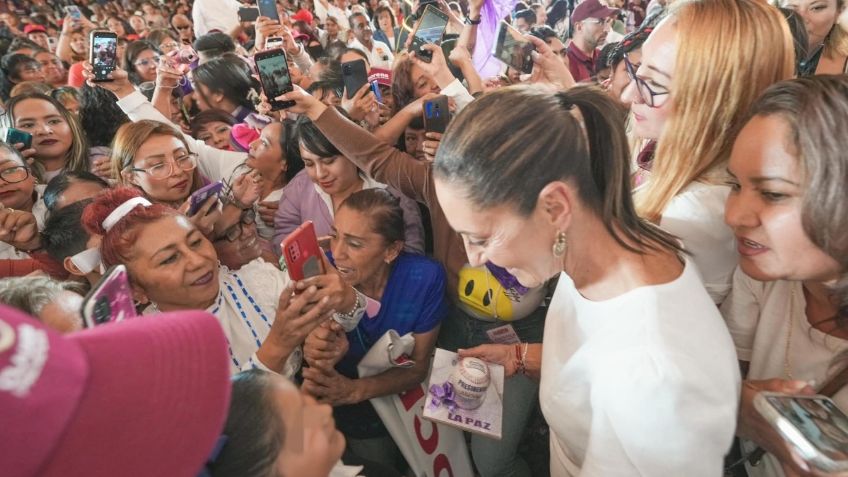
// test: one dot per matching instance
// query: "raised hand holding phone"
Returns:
(103, 54)
(274, 75)
(110, 300)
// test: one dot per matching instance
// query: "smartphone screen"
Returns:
(110, 300)
(274, 76)
(513, 49)
(818, 419)
(104, 54)
(430, 30)
(74, 12)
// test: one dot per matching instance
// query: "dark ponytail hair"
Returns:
(505, 147)
(383, 209)
(815, 109)
(254, 430)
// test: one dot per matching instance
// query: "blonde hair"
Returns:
(728, 53)
(129, 139)
(836, 44)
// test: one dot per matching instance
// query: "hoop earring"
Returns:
(560, 245)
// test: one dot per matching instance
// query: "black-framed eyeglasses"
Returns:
(163, 170)
(232, 234)
(13, 175)
(647, 94)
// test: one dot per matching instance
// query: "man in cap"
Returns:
(592, 22)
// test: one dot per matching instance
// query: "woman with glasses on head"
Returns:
(58, 141)
(691, 104)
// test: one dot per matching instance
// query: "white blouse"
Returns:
(760, 316)
(696, 216)
(646, 383)
(246, 307)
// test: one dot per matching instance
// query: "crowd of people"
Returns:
(656, 216)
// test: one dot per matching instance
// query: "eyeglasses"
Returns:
(14, 175)
(143, 63)
(647, 95)
(164, 170)
(165, 46)
(232, 234)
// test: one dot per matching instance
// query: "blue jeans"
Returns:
(491, 457)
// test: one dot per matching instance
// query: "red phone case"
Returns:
(302, 253)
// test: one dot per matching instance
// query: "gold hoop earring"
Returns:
(560, 245)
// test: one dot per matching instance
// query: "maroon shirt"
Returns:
(581, 66)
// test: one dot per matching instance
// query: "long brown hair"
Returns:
(815, 109)
(505, 147)
(729, 52)
(76, 159)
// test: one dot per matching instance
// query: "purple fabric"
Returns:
(492, 13)
(300, 202)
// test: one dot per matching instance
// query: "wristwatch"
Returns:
(469, 21)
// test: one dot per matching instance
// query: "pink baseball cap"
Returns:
(381, 76)
(142, 397)
(242, 135)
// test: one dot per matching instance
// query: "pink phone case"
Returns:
(110, 300)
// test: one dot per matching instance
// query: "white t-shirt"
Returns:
(646, 383)
(380, 55)
(267, 231)
(208, 15)
(696, 216)
(759, 316)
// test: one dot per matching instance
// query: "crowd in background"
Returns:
(657, 212)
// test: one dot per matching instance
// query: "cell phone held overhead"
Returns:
(430, 29)
(103, 54)
(273, 69)
(512, 49)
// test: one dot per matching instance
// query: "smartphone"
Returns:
(110, 300)
(375, 88)
(15, 136)
(816, 428)
(430, 29)
(511, 48)
(104, 54)
(52, 42)
(268, 8)
(199, 197)
(273, 42)
(355, 76)
(436, 114)
(302, 254)
(274, 75)
(248, 14)
(73, 11)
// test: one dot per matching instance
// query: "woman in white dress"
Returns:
(638, 371)
(787, 312)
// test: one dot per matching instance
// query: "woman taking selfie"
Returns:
(691, 104)
(58, 141)
(629, 316)
(409, 294)
(172, 266)
(327, 180)
(788, 312)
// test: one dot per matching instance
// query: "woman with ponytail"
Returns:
(638, 373)
(788, 312)
(172, 266)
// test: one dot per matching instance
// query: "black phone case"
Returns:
(248, 14)
(275, 105)
(437, 115)
(354, 76)
(101, 72)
